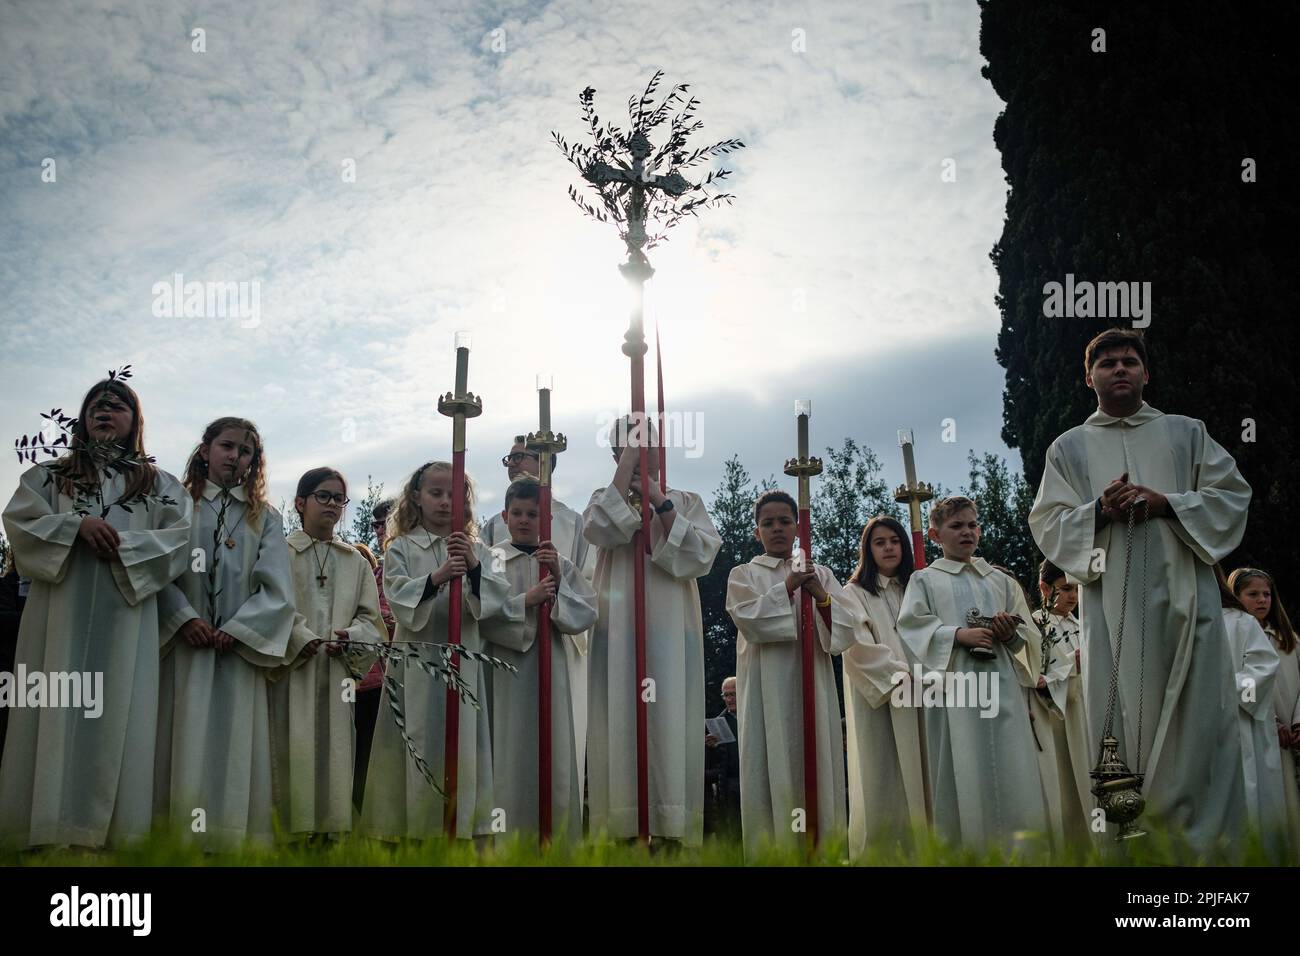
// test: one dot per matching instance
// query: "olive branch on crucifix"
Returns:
(636, 184)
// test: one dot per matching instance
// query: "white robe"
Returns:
(1190, 750)
(399, 803)
(566, 535)
(984, 774)
(674, 662)
(512, 636)
(1255, 661)
(1286, 709)
(313, 736)
(888, 789)
(1064, 720)
(68, 778)
(214, 733)
(769, 703)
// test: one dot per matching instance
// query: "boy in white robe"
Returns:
(312, 696)
(1058, 706)
(889, 792)
(567, 537)
(683, 545)
(83, 775)
(225, 624)
(424, 555)
(982, 760)
(764, 601)
(1189, 503)
(512, 634)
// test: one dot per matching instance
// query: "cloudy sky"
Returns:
(383, 175)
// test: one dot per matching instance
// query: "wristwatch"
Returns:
(665, 507)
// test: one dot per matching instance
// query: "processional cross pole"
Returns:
(632, 193)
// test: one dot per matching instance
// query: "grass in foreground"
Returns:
(1159, 848)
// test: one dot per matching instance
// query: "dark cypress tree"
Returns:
(1130, 165)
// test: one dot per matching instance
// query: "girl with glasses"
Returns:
(312, 695)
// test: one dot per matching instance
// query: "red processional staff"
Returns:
(545, 443)
(632, 192)
(804, 468)
(458, 405)
(913, 492)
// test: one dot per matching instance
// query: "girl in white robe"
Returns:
(984, 774)
(764, 601)
(513, 637)
(312, 696)
(82, 775)
(1059, 706)
(225, 624)
(423, 556)
(888, 789)
(1257, 593)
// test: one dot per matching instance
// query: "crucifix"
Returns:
(627, 192)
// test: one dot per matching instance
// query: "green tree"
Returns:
(732, 511)
(848, 493)
(1004, 500)
(365, 509)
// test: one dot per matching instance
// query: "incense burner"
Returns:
(1118, 790)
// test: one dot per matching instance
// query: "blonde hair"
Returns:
(945, 508)
(405, 516)
(365, 553)
(196, 470)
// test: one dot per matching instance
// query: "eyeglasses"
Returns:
(324, 498)
(728, 693)
(515, 457)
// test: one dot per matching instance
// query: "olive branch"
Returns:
(108, 457)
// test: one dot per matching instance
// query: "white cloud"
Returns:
(227, 166)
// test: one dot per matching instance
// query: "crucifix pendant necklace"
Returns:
(221, 522)
(322, 577)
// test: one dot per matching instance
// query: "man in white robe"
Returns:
(683, 545)
(1176, 680)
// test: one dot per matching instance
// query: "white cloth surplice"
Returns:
(769, 703)
(674, 661)
(399, 803)
(1256, 661)
(567, 536)
(313, 734)
(888, 788)
(512, 636)
(984, 775)
(213, 774)
(1064, 719)
(1190, 750)
(69, 777)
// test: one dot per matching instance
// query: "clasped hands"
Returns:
(1120, 494)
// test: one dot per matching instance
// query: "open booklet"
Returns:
(719, 727)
